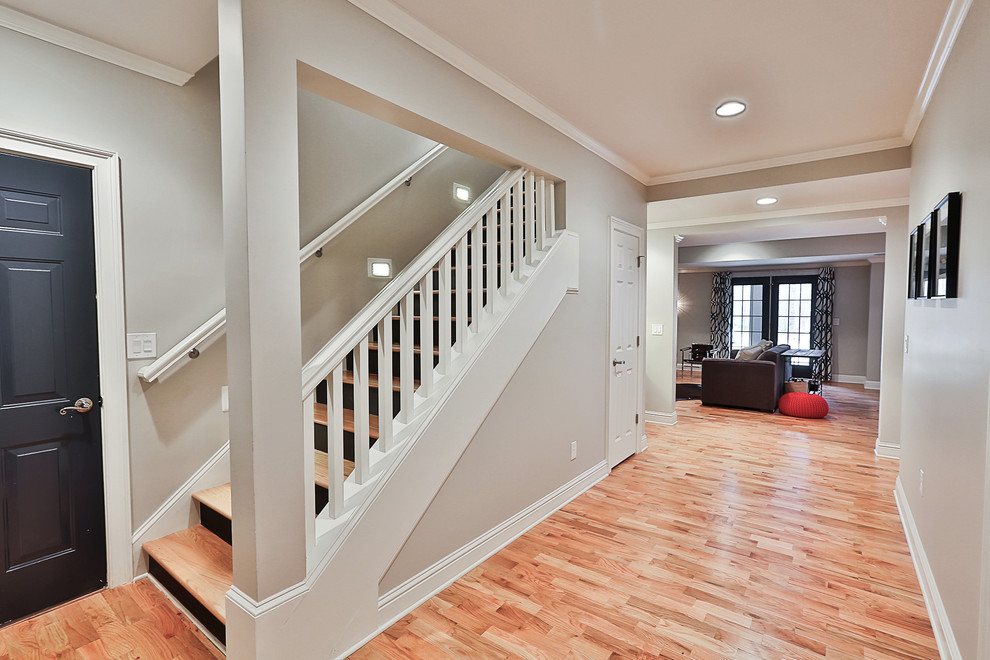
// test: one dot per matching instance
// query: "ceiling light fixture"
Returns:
(767, 201)
(730, 108)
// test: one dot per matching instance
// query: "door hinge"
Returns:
(639, 260)
(637, 340)
(637, 418)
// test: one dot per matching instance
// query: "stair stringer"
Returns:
(337, 607)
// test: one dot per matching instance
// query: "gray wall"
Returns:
(168, 141)
(345, 156)
(336, 286)
(946, 371)
(694, 309)
(852, 309)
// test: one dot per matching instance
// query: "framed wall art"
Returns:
(945, 247)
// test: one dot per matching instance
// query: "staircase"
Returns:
(375, 388)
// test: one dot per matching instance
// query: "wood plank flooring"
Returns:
(737, 534)
(129, 622)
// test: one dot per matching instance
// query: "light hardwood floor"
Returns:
(735, 535)
(129, 622)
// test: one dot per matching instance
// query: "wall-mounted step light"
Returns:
(462, 193)
(379, 267)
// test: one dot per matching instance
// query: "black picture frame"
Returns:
(945, 247)
(913, 263)
(924, 257)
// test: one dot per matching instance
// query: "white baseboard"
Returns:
(177, 512)
(841, 378)
(668, 419)
(947, 646)
(887, 450)
(421, 587)
(871, 385)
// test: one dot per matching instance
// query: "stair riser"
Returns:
(197, 609)
(320, 441)
(215, 522)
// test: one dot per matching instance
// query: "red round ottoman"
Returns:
(801, 404)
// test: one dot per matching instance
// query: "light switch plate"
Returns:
(142, 345)
(658, 329)
(224, 399)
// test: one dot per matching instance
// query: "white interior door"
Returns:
(624, 331)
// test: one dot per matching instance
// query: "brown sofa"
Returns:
(755, 384)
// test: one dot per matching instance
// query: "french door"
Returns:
(780, 309)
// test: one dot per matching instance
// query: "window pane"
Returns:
(806, 308)
(806, 291)
(793, 324)
(805, 324)
(794, 308)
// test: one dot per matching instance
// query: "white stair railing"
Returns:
(473, 267)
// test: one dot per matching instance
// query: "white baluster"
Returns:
(385, 413)
(552, 210)
(519, 243)
(530, 218)
(426, 334)
(461, 291)
(491, 263)
(335, 441)
(362, 409)
(505, 231)
(309, 444)
(443, 313)
(541, 214)
(406, 357)
(477, 277)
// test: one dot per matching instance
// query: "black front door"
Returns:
(52, 526)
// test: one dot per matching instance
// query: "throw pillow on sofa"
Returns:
(754, 351)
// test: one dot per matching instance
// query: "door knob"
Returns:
(616, 363)
(82, 405)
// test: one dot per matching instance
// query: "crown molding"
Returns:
(405, 24)
(782, 161)
(39, 29)
(954, 17)
(785, 213)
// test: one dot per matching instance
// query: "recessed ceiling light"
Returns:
(730, 109)
(767, 201)
(462, 193)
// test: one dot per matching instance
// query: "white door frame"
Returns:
(111, 328)
(640, 233)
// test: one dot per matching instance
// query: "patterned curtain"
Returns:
(721, 313)
(823, 322)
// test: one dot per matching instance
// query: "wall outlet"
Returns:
(658, 329)
(142, 345)
(835, 321)
(574, 450)
(921, 482)
(224, 400)
(906, 343)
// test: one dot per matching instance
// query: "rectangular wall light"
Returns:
(379, 267)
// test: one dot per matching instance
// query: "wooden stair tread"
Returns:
(321, 419)
(201, 562)
(217, 498)
(323, 469)
(373, 380)
(373, 345)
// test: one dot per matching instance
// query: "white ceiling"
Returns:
(181, 34)
(643, 77)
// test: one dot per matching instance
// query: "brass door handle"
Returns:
(82, 405)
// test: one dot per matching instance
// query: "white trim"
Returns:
(340, 225)
(39, 29)
(947, 646)
(424, 585)
(172, 515)
(983, 643)
(954, 17)
(782, 161)
(871, 385)
(111, 324)
(402, 22)
(784, 213)
(842, 378)
(887, 450)
(182, 608)
(615, 223)
(667, 419)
